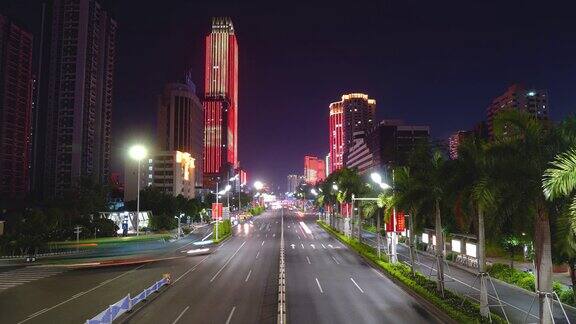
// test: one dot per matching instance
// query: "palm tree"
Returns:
(428, 187)
(523, 146)
(474, 181)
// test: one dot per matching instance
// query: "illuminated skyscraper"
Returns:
(220, 101)
(314, 171)
(349, 119)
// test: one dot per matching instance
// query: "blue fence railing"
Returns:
(126, 304)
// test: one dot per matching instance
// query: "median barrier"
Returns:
(127, 303)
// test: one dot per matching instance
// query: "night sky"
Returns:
(438, 63)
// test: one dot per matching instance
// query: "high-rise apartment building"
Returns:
(181, 123)
(350, 119)
(520, 98)
(314, 171)
(73, 124)
(173, 173)
(220, 102)
(15, 108)
(454, 142)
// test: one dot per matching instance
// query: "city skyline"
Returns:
(461, 83)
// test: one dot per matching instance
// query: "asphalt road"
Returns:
(238, 283)
(328, 283)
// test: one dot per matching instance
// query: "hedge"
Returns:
(451, 304)
(224, 230)
(526, 280)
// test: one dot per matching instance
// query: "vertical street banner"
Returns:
(400, 222)
(217, 211)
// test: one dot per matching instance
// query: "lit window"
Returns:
(150, 168)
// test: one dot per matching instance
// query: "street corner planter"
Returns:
(560, 268)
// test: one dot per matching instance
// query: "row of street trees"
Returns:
(521, 183)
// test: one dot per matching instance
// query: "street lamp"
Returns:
(138, 152)
(258, 185)
(377, 178)
(314, 192)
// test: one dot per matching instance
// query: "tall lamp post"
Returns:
(138, 152)
(377, 178)
(258, 185)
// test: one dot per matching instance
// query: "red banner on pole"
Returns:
(217, 211)
(400, 222)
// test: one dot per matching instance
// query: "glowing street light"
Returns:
(138, 152)
(376, 177)
(314, 192)
(258, 185)
(334, 186)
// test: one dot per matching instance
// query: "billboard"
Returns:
(217, 211)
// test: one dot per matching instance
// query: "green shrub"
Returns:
(567, 296)
(451, 256)
(527, 283)
(224, 230)
(256, 210)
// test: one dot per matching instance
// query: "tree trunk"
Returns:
(412, 243)
(484, 309)
(378, 232)
(572, 264)
(439, 251)
(543, 260)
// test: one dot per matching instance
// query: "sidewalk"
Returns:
(516, 301)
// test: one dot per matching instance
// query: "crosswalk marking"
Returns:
(24, 275)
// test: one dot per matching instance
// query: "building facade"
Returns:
(73, 125)
(454, 142)
(220, 102)
(293, 181)
(350, 119)
(314, 171)
(131, 177)
(181, 123)
(173, 173)
(15, 108)
(518, 97)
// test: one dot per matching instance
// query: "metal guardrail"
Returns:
(126, 304)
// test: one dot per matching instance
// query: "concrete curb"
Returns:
(429, 306)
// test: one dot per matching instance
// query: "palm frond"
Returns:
(560, 179)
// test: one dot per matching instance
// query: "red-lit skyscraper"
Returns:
(314, 170)
(220, 101)
(336, 136)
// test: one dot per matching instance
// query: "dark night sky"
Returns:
(428, 62)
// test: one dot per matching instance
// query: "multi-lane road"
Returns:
(238, 283)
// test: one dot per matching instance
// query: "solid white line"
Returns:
(262, 243)
(207, 236)
(225, 264)
(333, 258)
(230, 316)
(38, 312)
(248, 276)
(257, 254)
(299, 237)
(302, 245)
(179, 316)
(362, 291)
(319, 287)
(323, 246)
(191, 269)
(308, 259)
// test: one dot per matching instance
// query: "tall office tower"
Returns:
(314, 171)
(350, 119)
(73, 124)
(327, 164)
(518, 97)
(181, 123)
(15, 108)
(220, 102)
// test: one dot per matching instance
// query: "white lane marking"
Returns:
(333, 258)
(292, 245)
(228, 261)
(313, 247)
(274, 235)
(230, 316)
(323, 246)
(248, 276)
(266, 235)
(308, 259)
(179, 316)
(207, 236)
(378, 273)
(262, 243)
(330, 246)
(191, 269)
(72, 298)
(302, 245)
(299, 237)
(257, 254)
(362, 291)
(319, 287)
